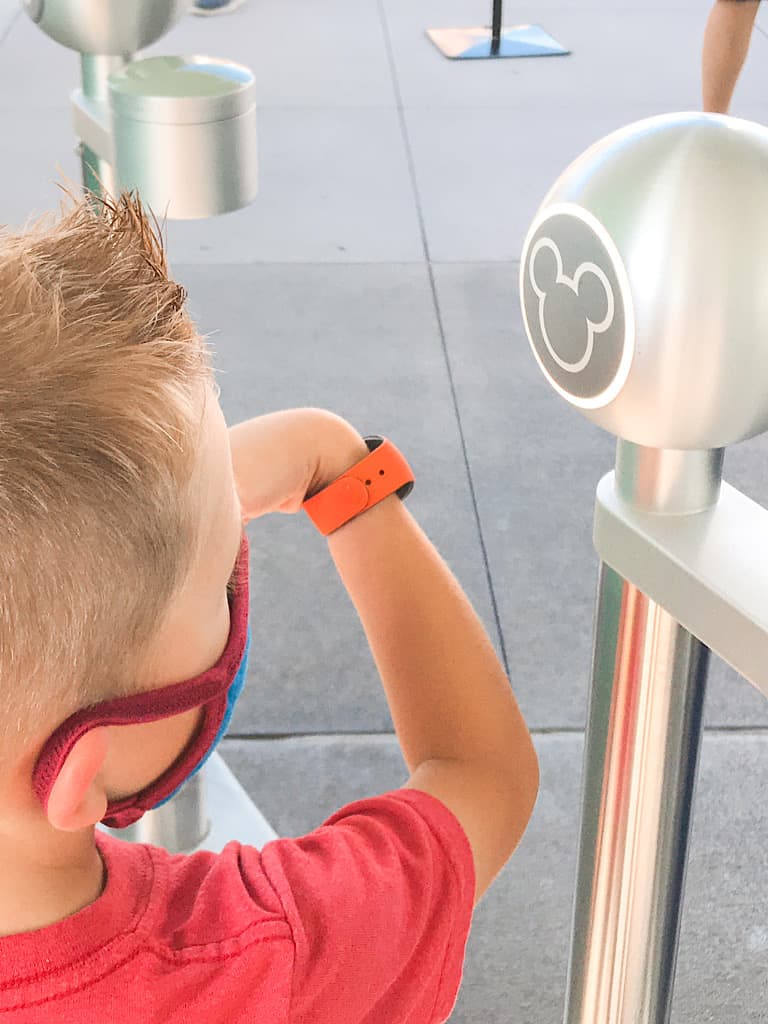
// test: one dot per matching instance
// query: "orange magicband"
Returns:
(383, 472)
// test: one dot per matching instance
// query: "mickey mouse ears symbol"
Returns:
(577, 305)
(546, 286)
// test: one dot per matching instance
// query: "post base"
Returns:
(477, 43)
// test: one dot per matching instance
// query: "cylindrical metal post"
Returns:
(178, 826)
(642, 745)
(638, 285)
(98, 175)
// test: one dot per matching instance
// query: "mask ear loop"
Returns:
(233, 695)
(209, 691)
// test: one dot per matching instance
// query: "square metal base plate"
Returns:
(477, 43)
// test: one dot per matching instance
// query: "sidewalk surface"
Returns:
(376, 275)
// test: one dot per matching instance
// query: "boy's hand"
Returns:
(282, 458)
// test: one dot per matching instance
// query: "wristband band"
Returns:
(381, 473)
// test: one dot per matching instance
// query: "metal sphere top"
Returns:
(643, 282)
(108, 27)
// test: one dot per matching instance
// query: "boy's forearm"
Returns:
(447, 691)
(448, 694)
(457, 721)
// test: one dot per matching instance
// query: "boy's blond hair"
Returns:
(100, 410)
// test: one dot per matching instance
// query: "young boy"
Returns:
(123, 624)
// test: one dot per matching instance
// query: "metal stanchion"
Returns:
(98, 173)
(642, 294)
(182, 131)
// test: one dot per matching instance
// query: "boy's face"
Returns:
(195, 629)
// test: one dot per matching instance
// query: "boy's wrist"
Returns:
(281, 458)
(382, 472)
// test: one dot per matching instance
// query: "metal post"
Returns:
(642, 746)
(98, 175)
(496, 19)
(639, 287)
(210, 811)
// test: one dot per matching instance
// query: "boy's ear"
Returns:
(78, 798)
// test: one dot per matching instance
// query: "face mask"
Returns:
(215, 691)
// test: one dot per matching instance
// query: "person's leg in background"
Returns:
(216, 6)
(726, 42)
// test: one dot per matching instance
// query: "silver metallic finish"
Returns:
(642, 747)
(98, 170)
(710, 571)
(98, 176)
(182, 90)
(179, 130)
(668, 482)
(91, 124)
(106, 26)
(678, 213)
(184, 132)
(642, 296)
(180, 825)
(642, 744)
(95, 70)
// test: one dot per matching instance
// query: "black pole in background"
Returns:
(496, 19)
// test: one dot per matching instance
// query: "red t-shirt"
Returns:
(363, 921)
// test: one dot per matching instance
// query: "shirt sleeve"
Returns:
(379, 900)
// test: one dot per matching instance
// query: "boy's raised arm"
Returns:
(461, 732)
(460, 729)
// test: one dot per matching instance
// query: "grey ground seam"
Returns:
(441, 329)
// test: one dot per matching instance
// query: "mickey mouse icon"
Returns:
(574, 305)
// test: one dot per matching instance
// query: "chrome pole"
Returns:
(180, 825)
(640, 294)
(642, 746)
(98, 175)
